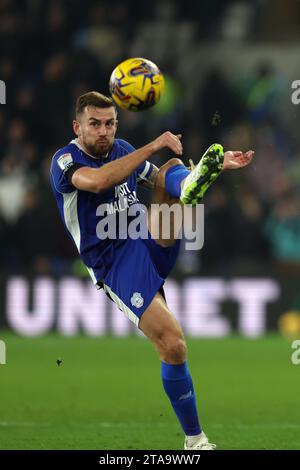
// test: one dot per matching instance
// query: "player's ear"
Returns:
(76, 127)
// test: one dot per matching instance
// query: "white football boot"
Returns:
(201, 444)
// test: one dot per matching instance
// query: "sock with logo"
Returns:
(178, 386)
(173, 178)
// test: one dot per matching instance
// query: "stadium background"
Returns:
(229, 68)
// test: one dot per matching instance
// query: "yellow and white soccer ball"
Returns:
(136, 84)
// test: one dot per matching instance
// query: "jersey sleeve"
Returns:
(62, 169)
(145, 169)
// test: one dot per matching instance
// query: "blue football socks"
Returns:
(173, 179)
(178, 386)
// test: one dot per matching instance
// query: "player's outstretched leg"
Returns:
(190, 186)
(161, 196)
(164, 331)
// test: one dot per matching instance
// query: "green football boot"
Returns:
(194, 186)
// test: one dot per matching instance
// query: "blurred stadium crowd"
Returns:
(53, 51)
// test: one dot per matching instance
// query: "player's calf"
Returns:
(164, 215)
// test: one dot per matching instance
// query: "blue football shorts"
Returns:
(138, 272)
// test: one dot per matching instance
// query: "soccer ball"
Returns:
(136, 84)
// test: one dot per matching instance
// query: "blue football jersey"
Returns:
(79, 210)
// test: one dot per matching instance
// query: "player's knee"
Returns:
(174, 162)
(163, 169)
(175, 351)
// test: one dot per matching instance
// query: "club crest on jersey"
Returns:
(65, 161)
(137, 300)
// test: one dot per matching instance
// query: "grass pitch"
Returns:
(107, 394)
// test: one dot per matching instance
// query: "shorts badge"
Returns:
(137, 300)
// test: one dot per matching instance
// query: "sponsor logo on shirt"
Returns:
(124, 199)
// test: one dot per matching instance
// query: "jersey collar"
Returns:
(75, 142)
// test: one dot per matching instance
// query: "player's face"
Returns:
(96, 129)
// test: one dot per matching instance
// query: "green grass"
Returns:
(107, 394)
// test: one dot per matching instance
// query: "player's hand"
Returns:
(168, 140)
(233, 160)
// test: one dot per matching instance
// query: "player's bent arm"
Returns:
(97, 180)
(109, 175)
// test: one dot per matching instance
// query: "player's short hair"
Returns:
(93, 98)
